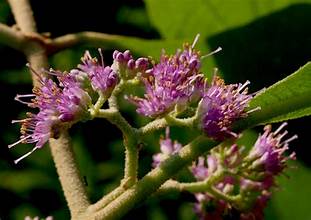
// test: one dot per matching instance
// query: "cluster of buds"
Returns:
(238, 182)
(167, 147)
(127, 66)
(242, 178)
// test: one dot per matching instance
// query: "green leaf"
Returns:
(292, 199)
(18, 76)
(25, 180)
(289, 98)
(185, 18)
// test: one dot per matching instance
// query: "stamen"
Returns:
(259, 91)
(291, 139)
(254, 110)
(17, 98)
(244, 85)
(35, 72)
(282, 135)
(167, 132)
(195, 40)
(101, 56)
(211, 53)
(26, 155)
(19, 141)
(280, 128)
(19, 121)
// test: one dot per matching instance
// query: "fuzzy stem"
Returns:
(154, 179)
(107, 199)
(71, 181)
(153, 126)
(181, 122)
(11, 37)
(90, 38)
(130, 136)
(23, 15)
(69, 175)
(33, 50)
(201, 186)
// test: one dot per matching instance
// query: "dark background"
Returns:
(264, 46)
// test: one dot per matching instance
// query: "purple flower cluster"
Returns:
(167, 147)
(221, 106)
(61, 105)
(103, 79)
(251, 173)
(268, 152)
(175, 80)
(58, 106)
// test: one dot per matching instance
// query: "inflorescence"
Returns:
(238, 180)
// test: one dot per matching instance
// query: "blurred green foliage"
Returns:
(262, 40)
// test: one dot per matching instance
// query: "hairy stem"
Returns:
(11, 37)
(153, 126)
(69, 175)
(130, 136)
(23, 15)
(90, 38)
(107, 199)
(68, 172)
(33, 50)
(154, 179)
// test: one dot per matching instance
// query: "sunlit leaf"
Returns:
(287, 99)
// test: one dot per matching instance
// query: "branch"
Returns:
(131, 138)
(153, 126)
(154, 179)
(33, 50)
(11, 37)
(23, 15)
(90, 38)
(206, 186)
(71, 181)
(69, 175)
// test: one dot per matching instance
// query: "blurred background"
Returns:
(262, 40)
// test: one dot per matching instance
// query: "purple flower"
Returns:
(37, 128)
(59, 106)
(103, 79)
(168, 148)
(174, 81)
(207, 208)
(267, 155)
(126, 66)
(221, 106)
(252, 175)
(201, 171)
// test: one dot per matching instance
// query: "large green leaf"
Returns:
(292, 199)
(289, 98)
(184, 18)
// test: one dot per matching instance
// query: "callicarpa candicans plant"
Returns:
(228, 180)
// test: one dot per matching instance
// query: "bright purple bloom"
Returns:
(57, 105)
(168, 148)
(268, 153)
(103, 79)
(221, 106)
(176, 80)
